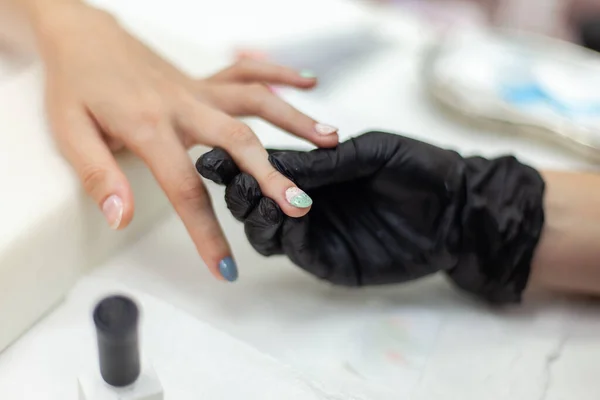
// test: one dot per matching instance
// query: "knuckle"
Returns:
(191, 191)
(93, 177)
(243, 64)
(141, 135)
(149, 116)
(240, 134)
(145, 118)
(258, 88)
(272, 176)
(257, 95)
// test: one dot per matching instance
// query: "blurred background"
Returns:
(499, 65)
(380, 63)
(566, 19)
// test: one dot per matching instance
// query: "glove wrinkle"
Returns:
(242, 195)
(502, 222)
(263, 227)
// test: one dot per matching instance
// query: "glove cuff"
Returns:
(502, 220)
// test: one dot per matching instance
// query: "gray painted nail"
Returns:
(228, 269)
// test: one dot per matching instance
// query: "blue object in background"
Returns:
(531, 93)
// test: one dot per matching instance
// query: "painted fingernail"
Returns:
(298, 198)
(113, 211)
(308, 74)
(228, 269)
(325, 130)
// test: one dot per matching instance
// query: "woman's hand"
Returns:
(105, 90)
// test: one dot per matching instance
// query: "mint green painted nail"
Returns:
(298, 198)
(301, 201)
(307, 74)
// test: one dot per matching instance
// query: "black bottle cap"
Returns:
(116, 320)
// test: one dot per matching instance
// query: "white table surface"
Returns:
(448, 346)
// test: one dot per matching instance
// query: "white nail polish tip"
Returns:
(298, 198)
(113, 211)
(291, 193)
(117, 223)
(324, 130)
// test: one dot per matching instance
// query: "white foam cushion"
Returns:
(50, 232)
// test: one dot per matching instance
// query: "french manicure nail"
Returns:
(228, 269)
(113, 211)
(298, 198)
(308, 74)
(324, 130)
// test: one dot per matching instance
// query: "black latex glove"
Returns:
(390, 209)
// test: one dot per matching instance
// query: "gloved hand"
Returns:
(389, 209)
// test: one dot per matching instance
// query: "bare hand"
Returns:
(106, 90)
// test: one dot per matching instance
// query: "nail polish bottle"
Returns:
(121, 375)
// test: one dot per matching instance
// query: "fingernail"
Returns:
(325, 130)
(308, 74)
(298, 198)
(228, 269)
(113, 211)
